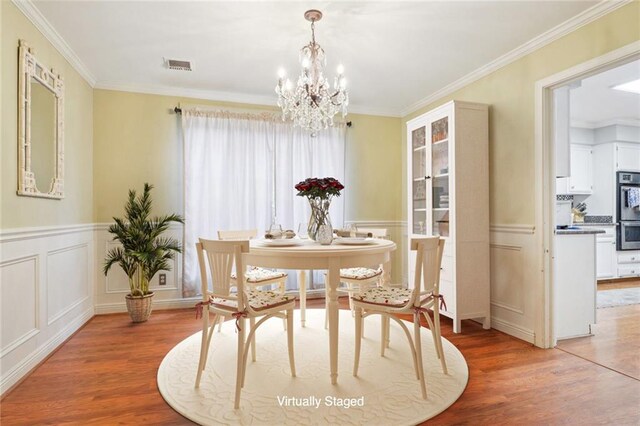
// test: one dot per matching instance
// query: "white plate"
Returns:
(354, 241)
(285, 242)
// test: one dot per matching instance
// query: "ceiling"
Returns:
(596, 104)
(395, 53)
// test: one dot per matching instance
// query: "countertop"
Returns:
(594, 224)
(575, 230)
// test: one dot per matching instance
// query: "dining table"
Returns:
(303, 255)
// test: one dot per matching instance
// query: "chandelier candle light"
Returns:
(312, 103)
(319, 192)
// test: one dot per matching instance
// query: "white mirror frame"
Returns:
(30, 68)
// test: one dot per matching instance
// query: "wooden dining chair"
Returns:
(256, 277)
(221, 256)
(357, 280)
(389, 301)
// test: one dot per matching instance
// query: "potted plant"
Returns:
(143, 252)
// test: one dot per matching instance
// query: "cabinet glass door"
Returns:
(419, 189)
(439, 178)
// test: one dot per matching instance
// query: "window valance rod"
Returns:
(178, 110)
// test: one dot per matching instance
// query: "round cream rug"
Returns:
(385, 392)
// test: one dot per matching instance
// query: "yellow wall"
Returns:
(374, 168)
(510, 92)
(137, 139)
(77, 206)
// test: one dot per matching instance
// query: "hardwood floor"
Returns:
(615, 343)
(106, 374)
(618, 284)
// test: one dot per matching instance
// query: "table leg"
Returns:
(333, 278)
(302, 285)
(386, 274)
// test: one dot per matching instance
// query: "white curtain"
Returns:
(240, 172)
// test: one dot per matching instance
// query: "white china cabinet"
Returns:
(448, 195)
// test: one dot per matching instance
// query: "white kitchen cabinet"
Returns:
(448, 182)
(606, 256)
(581, 180)
(629, 263)
(628, 157)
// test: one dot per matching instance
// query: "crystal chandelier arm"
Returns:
(312, 103)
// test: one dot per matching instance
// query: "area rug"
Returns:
(618, 297)
(385, 392)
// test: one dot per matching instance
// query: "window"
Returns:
(240, 172)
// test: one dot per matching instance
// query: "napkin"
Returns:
(347, 233)
(277, 235)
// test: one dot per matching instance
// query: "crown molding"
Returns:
(633, 122)
(40, 22)
(568, 26)
(213, 95)
(184, 92)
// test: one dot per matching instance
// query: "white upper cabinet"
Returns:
(628, 157)
(581, 180)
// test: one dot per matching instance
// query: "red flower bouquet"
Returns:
(323, 188)
(319, 192)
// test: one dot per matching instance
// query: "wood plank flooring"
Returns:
(615, 343)
(618, 284)
(106, 374)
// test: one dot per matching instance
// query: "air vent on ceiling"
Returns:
(174, 64)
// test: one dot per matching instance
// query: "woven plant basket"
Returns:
(139, 307)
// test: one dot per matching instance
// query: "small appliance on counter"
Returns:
(564, 218)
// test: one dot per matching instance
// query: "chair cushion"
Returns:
(258, 300)
(384, 296)
(256, 274)
(359, 273)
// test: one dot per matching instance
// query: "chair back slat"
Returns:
(245, 234)
(428, 261)
(221, 257)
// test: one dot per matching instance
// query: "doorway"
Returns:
(545, 158)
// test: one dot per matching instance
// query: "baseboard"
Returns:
(112, 308)
(22, 369)
(513, 330)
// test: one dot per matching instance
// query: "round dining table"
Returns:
(306, 255)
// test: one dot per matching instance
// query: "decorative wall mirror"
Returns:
(40, 128)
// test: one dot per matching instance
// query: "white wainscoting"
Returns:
(111, 290)
(51, 283)
(46, 293)
(514, 275)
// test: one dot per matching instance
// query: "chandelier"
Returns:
(313, 102)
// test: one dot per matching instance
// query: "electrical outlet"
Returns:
(163, 279)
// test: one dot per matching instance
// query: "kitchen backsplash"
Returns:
(564, 197)
(598, 219)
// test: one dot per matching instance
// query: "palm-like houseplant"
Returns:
(143, 252)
